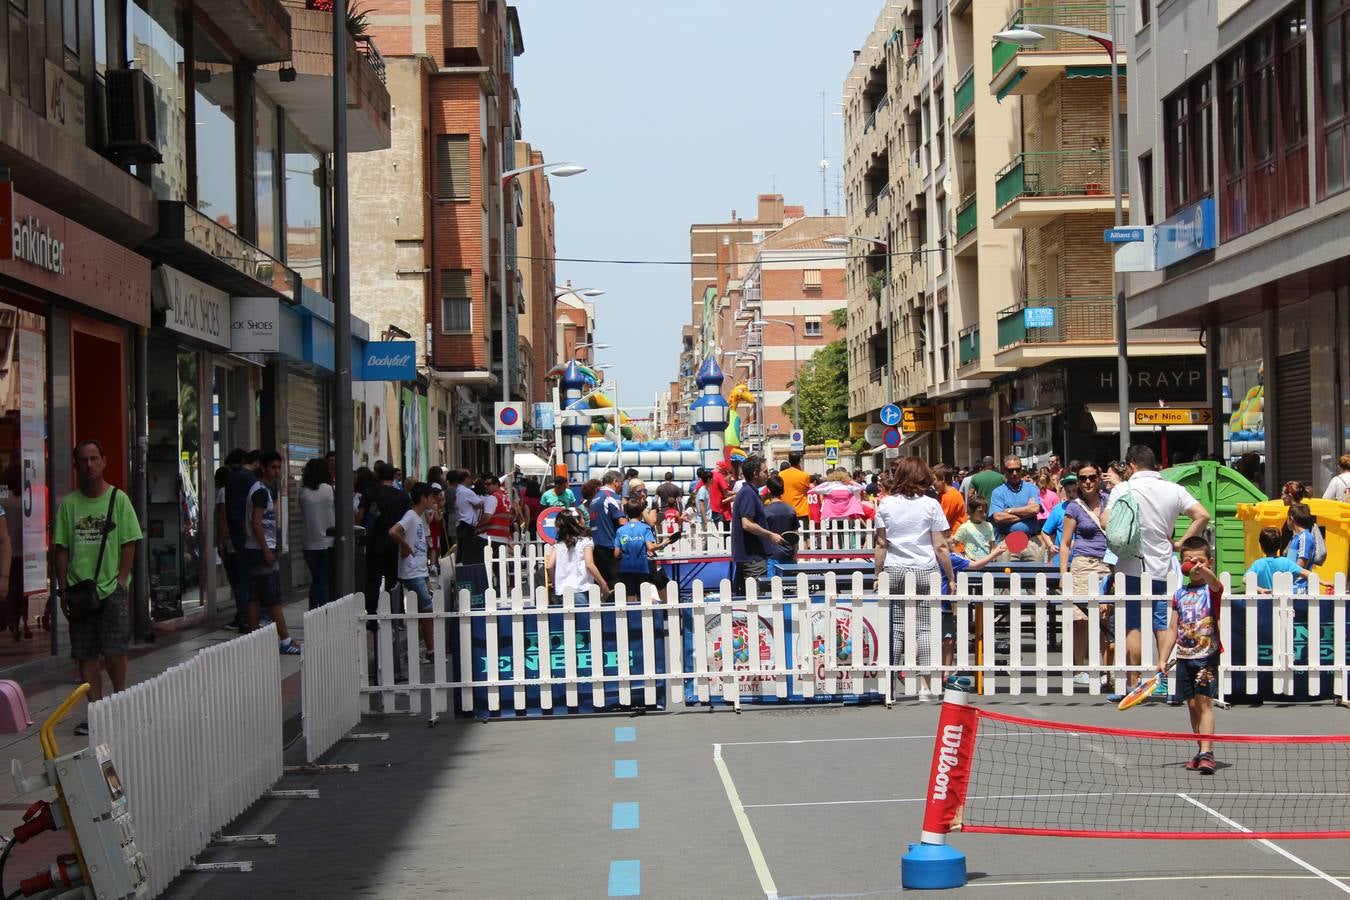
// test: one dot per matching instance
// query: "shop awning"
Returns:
(532, 464)
(1031, 413)
(1106, 419)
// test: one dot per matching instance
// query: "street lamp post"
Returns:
(842, 241)
(796, 371)
(1028, 34)
(561, 170)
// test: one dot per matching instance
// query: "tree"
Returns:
(822, 390)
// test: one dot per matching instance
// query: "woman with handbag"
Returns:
(93, 548)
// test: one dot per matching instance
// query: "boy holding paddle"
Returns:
(1193, 628)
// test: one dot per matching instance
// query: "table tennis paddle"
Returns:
(1016, 542)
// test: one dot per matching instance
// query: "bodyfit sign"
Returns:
(193, 308)
(389, 361)
(255, 325)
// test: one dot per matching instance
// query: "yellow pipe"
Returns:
(45, 733)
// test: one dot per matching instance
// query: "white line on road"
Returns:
(1265, 843)
(1311, 794)
(1118, 879)
(897, 737)
(747, 833)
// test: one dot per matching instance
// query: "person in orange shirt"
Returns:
(795, 484)
(953, 504)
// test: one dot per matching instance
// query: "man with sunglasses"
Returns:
(1015, 505)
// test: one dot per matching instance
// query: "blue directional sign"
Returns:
(1123, 235)
(1038, 317)
(890, 414)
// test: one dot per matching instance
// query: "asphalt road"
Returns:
(584, 807)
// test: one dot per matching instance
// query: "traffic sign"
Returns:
(773, 426)
(547, 524)
(890, 414)
(508, 425)
(796, 440)
(1173, 415)
(1123, 235)
(892, 437)
(832, 451)
(873, 434)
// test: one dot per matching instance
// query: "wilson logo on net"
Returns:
(947, 758)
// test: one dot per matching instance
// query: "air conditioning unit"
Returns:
(131, 116)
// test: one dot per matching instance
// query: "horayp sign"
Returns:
(389, 361)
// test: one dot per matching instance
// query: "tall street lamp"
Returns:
(796, 371)
(1028, 34)
(842, 241)
(561, 170)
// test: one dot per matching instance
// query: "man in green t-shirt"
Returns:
(558, 495)
(81, 520)
(984, 481)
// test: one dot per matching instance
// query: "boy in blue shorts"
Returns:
(1193, 628)
(634, 542)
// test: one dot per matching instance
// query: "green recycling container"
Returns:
(1219, 490)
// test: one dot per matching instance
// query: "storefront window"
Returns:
(173, 510)
(265, 166)
(1241, 357)
(155, 45)
(213, 77)
(23, 484)
(304, 210)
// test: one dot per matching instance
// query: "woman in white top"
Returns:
(571, 561)
(319, 514)
(1339, 487)
(912, 539)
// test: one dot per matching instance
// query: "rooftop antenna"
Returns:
(824, 161)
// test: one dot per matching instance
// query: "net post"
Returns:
(931, 864)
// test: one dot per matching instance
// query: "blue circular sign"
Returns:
(891, 437)
(890, 414)
(509, 415)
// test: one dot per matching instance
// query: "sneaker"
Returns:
(925, 695)
(1207, 764)
(1193, 764)
(1115, 698)
(289, 647)
(82, 729)
(426, 657)
(1160, 690)
(1083, 678)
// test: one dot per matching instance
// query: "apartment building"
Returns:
(537, 276)
(1240, 151)
(984, 168)
(462, 122)
(711, 261)
(168, 194)
(777, 316)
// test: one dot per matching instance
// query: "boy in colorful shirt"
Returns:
(1193, 628)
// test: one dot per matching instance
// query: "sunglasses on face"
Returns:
(1093, 477)
(1012, 468)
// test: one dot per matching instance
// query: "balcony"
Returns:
(964, 100)
(308, 98)
(257, 28)
(968, 346)
(1082, 326)
(967, 215)
(1027, 70)
(1036, 188)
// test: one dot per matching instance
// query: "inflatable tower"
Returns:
(574, 428)
(709, 414)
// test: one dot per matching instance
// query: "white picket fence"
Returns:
(521, 563)
(330, 677)
(1015, 643)
(194, 746)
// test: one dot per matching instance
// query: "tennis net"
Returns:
(1000, 774)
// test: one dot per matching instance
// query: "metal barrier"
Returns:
(522, 653)
(330, 673)
(195, 746)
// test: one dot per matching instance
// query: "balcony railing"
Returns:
(1077, 319)
(1056, 173)
(365, 45)
(965, 92)
(750, 294)
(966, 217)
(968, 346)
(1092, 16)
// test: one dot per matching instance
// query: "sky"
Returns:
(682, 111)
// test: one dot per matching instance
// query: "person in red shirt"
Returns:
(813, 502)
(719, 493)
